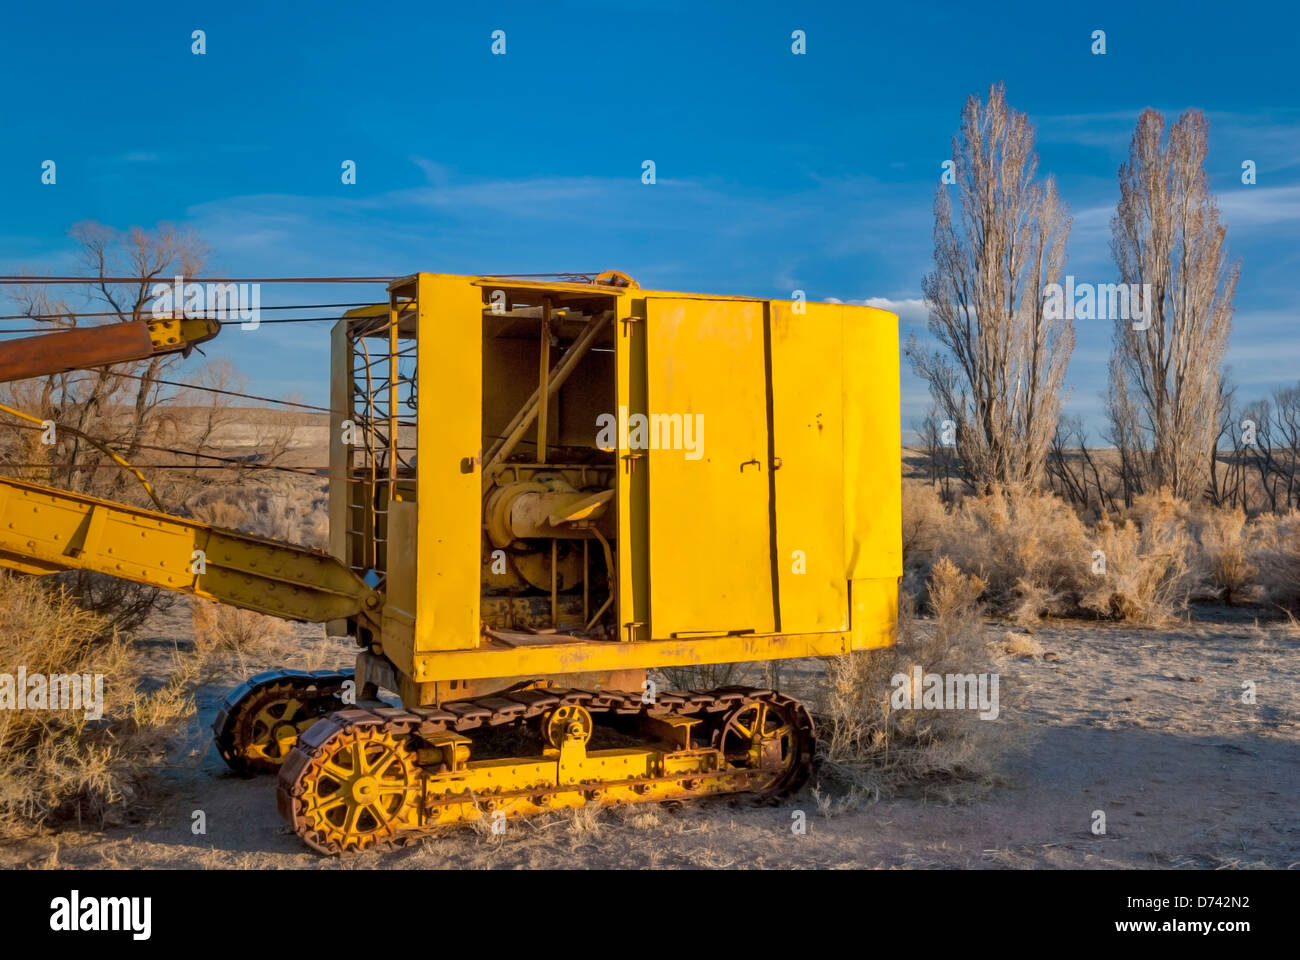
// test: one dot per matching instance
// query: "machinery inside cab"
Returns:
(529, 368)
(549, 516)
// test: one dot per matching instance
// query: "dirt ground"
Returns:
(1147, 726)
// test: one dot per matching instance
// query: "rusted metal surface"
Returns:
(51, 353)
(99, 346)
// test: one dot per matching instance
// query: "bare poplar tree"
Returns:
(1166, 366)
(1001, 366)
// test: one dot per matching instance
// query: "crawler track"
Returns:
(407, 801)
(246, 726)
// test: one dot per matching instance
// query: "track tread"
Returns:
(230, 714)
(498, 710)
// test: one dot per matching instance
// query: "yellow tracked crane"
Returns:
(540, 490)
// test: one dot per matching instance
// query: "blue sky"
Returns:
(775, 171)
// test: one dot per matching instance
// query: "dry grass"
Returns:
(1275, 551)
(585, 820)
(1039, 558)
(226, 637)
(870, 746)
(1146, 556)
(57, 765)
(1021, 645)
(1223, 568)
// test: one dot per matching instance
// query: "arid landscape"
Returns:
(1145, 725)
(1125, 693)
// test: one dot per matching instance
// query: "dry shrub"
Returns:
(303, 522)
(1146, 570)
(123, 604)
(1159, 507)
(1275, 551)
(224, 635)
(1222, 567)
(1029, 547)
(1039, 559)
(1021, 645)
(221, 513)
(870, 745)
(924, 521)
(57, 764)
(290, 509)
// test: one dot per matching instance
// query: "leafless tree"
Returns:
(1072, 468)
(1225, 486)
(940, 460)
(1166, 366)
(122, 406)
(1001, 364)
(1258, 451)
(117, 404)
(1267, 440)
(1285, 433)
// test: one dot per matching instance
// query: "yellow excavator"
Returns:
(540, 490)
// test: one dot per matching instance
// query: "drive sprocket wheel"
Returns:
(361, 786)
(772, 733)
(261, 721)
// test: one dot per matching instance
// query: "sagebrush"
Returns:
(869, 744)
(1039, 557)
(57, 765)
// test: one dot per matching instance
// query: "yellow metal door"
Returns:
(710, 533)
(808, 455)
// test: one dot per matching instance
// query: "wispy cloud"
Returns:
(1259, 206)
(710, 234)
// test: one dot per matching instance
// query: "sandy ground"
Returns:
(1147, 726)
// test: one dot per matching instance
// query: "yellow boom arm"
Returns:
(46, 530)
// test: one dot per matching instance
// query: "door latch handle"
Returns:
(748, 463)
